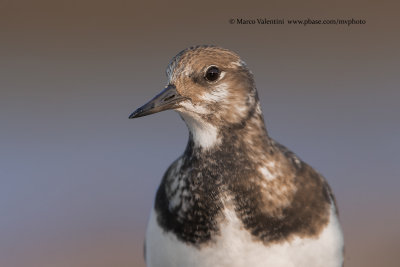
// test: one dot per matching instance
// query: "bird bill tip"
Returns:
(135, 114)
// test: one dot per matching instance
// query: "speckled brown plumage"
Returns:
(233, 175)
(295, 204)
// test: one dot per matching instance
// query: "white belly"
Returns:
(235, 247)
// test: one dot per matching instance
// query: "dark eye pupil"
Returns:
(212, 74)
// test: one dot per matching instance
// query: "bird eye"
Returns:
(212, 74)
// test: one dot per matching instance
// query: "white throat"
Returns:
(204, 134)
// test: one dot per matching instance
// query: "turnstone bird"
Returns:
(235, 197)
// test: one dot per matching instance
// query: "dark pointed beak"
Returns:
(167, 99)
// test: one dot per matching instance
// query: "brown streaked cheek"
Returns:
(196, 92)
(181, 87)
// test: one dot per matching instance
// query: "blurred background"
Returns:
(78, 179)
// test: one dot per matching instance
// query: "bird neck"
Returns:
(248, 136)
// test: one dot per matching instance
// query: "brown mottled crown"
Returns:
(194, 53)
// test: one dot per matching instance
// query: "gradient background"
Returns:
(77, 178)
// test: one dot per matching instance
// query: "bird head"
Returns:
(210, 87)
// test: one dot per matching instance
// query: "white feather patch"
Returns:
(266, 173)
(196, 109)
(220, 92)
(236, 247)
(204, 134)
